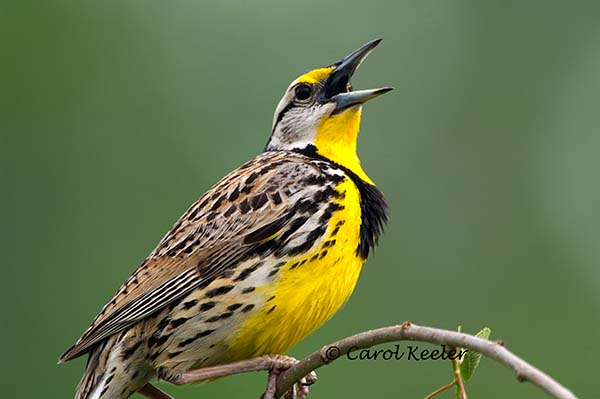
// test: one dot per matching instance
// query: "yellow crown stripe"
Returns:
(315, 76)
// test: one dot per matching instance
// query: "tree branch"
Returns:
(408, 331)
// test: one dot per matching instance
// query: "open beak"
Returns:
(337, 87)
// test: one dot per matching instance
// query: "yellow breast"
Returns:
(310, 288)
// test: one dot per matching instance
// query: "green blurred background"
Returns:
(115, 116)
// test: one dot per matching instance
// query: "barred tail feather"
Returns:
(93, 380)
(116, 368)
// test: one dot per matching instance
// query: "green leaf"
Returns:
(472, 359)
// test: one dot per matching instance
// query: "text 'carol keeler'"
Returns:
(412, 352)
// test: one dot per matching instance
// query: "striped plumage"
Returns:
(258, 262)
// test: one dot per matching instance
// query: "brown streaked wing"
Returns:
(208, 239)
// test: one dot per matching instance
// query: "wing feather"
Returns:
(241, 212)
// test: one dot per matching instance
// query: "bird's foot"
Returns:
(280, 363)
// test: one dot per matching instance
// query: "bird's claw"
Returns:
(297, 391)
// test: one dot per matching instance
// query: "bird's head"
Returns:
(320, 112)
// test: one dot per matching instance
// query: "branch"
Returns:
(413, 332)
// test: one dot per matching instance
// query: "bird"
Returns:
(261, 260)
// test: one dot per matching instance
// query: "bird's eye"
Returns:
(302, 92)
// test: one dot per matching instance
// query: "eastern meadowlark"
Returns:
(261, 260)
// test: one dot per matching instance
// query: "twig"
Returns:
(458, 379)
(152, 392)
(409, 331)
(440, 390)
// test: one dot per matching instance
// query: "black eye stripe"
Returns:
(280, 116)
(289, 106)
(282, 113)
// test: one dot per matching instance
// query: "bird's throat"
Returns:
(336, 140)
